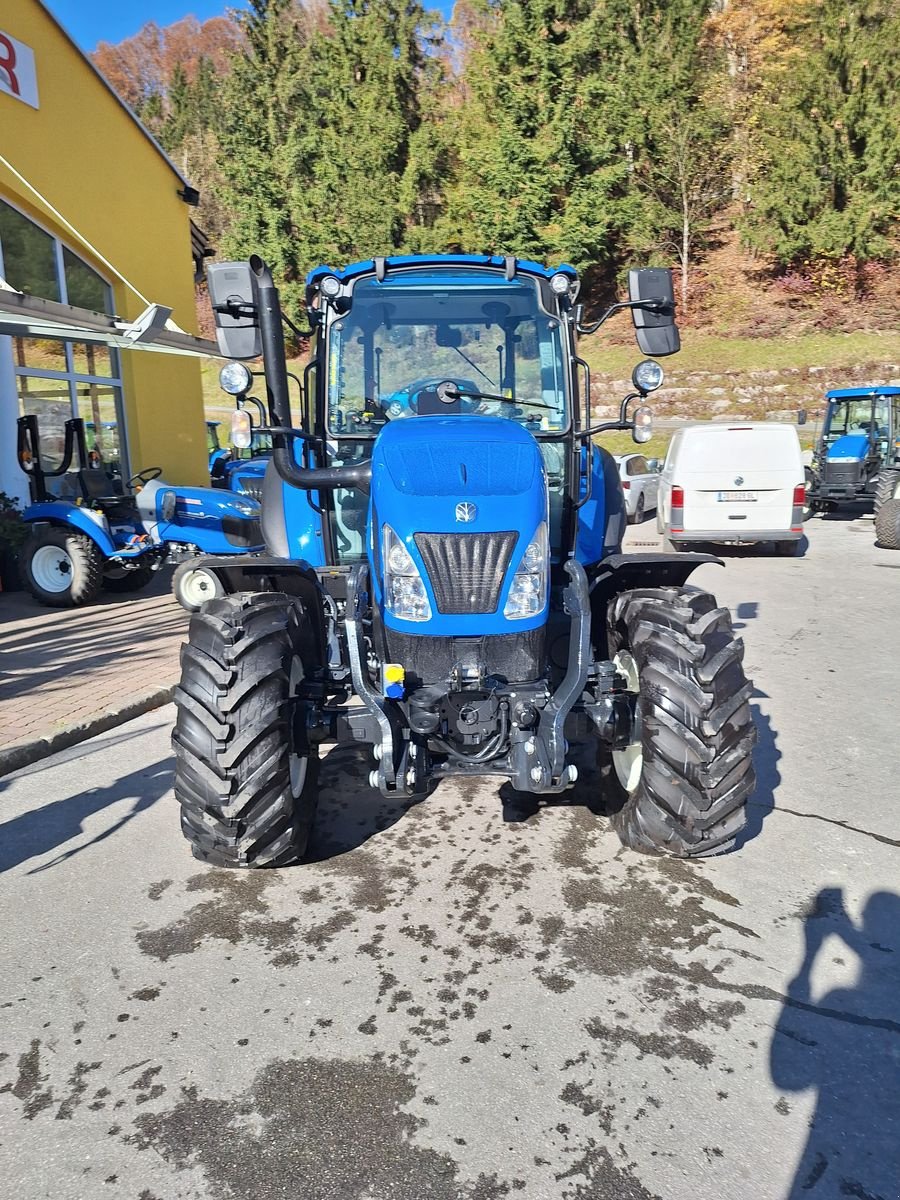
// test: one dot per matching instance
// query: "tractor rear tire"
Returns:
(245, 771)
(887, 487)
(127, 580)
(62, 569)
(887, 525)
(683, 785)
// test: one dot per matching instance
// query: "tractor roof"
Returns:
(876, 390)
(439, 260)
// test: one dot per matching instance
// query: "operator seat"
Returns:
(98, 487)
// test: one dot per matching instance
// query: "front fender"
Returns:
(58, 512)
(623, 572)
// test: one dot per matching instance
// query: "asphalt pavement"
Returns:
(442, 1005)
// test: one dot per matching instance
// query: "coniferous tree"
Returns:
(828, 137)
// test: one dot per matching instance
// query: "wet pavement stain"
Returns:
(320, 1129)
(235, 913)
(28, 1086)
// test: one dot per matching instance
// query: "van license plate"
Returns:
(745, 496)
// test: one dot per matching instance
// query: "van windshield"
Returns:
(416, 329)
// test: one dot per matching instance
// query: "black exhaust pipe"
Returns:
(272, 337)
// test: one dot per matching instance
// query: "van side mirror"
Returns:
(232, 294)
(801, 416)
(650, 289)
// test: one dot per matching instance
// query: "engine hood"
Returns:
(458, 475)
(852, 447)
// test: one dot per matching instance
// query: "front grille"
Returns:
(843, 473)
(242, 531)
(466, 569)
(251, 486)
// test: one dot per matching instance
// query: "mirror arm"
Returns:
(235, 310)
(657, 305)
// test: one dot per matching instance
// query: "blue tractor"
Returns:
(88, 534)
(455, 570)
(858, 455)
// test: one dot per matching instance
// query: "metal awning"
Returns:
(29, 316)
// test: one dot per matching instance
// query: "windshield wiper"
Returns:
(474, 366)
(453, 394)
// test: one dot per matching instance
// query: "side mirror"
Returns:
(801, 416)
(232, 293)
(654, 320)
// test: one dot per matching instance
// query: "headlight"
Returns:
(528, 592)
(404, 589)
(330, 285)
(647, 376)
(235, 378)
(560, 283)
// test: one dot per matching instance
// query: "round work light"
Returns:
(235, 378)
(647, 376)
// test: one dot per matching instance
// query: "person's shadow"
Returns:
(847, 1046)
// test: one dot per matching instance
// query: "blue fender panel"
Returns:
(58, 512)
(601, 519)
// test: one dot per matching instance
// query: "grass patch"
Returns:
(718, 355)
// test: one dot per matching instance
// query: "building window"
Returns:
(59, 379)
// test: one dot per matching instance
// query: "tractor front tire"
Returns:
(193, 586)
(123, 580)
(62, 569)
(681, 788)
(887, 525)
(887, 487)
(245, 772)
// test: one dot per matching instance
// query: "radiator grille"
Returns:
(845, 473)
(251, 485)
(466, 569)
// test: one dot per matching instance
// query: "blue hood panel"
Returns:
(427, 462)
(424, 468)
(852, 446)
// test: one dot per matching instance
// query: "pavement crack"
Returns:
(877, 837)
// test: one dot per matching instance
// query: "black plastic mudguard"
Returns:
(262, 573)
(623, 572)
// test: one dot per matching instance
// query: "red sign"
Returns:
(17, 74)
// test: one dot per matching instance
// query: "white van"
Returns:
(733, 483)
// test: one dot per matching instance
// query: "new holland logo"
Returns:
(466, 512)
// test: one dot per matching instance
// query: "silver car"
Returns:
(639, 477)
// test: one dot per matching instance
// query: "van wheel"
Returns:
(681, 786)
(638, 512)
(62, 569)
(789, 549)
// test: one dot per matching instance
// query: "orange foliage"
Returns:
(143, 65)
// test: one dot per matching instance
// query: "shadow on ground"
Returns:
(35, 833)
(846, 1045)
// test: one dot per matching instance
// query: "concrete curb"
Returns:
(24, 754)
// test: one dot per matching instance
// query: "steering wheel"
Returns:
(145, 476)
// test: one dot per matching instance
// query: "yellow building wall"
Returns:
(88, 158)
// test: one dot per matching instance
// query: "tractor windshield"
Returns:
(416, 329)
(857, 415)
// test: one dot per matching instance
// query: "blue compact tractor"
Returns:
(858, 454)
(444, 551)
(88, 534)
